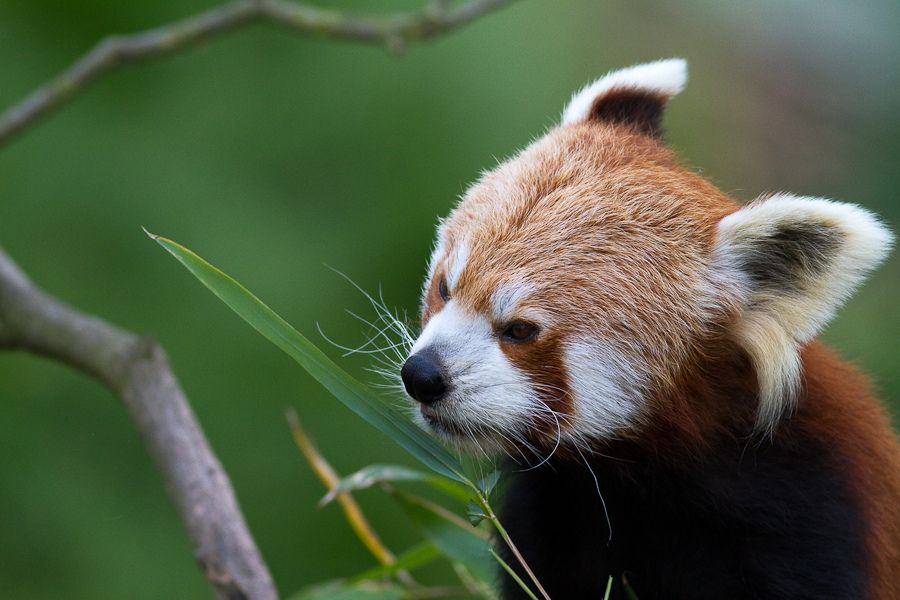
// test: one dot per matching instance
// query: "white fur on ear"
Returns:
(663, 78)
(795, 261)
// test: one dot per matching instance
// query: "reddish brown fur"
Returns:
(839, 409)
(644, 199)
(604, 189)
(694, 413)
(433, 301)
(543, 362)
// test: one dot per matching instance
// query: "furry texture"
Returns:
(811, 513)
(661, 78)
(673, 337)
(797, 259)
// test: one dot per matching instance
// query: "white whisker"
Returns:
(599, 493)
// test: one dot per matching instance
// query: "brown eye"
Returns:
(442, 289)
(519, 332)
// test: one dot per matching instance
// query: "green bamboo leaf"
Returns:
(373, 474)
(357, 397)
(453, 536)
(475, 513)
(489, 482)
(410, 560)
(338, 590)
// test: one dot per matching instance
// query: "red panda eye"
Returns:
(519, 332)
(442, 289)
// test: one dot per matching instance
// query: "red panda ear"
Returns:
(635, 96)
(793, 261)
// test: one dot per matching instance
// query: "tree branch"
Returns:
(136, 369)
(393, 32)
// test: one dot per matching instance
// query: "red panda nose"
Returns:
(421, 374)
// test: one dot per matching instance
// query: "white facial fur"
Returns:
(436, 254)
(494, 402)
(488, 399)
(456, 263)
(605, 386)
(488, 391)
(619, 346)
(506, 300)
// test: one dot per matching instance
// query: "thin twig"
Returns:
(512, 573)
(439, 510)
(393, 32)
(495, 521)
(327, 475)
(136, 369)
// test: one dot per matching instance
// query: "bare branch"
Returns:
(136, 369)
(393, 32)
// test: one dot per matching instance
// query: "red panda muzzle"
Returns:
(679, 423)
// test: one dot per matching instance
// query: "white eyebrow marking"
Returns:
(436, 255)
(456, 263)
(507, 297)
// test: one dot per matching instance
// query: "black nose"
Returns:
(421, 374)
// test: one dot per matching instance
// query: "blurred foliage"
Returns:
(273, 155)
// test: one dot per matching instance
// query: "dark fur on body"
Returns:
(737, 457)
(746, 518)
(732, 527)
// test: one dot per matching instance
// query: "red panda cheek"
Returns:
(542, 362)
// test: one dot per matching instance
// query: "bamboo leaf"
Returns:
(373, 474)
(489, 482)
(357, 397)
(475, 513)
(410, 560)
(338, 590)
(452, 535)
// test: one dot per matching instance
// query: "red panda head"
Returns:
(577, 284)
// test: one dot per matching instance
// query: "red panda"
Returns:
(644, 347)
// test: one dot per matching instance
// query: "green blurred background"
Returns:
(273, 155)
